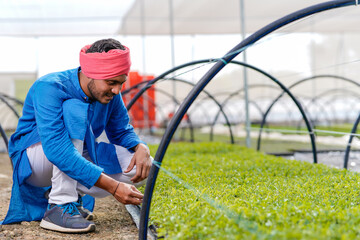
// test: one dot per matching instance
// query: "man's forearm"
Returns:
(107, 183)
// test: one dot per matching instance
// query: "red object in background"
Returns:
(146, 101)
(185, 117)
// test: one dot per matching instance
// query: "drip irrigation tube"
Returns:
(145, 209)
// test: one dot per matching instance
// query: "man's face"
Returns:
(103, 90)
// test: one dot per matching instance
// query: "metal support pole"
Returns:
(146, 124)
(171, 21)
(172, 42)
(246, 92)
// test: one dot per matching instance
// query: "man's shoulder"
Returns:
(57, 76)
(55, 83)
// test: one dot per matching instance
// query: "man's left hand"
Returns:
(142, 161)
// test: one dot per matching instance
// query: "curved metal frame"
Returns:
(191, 127)
(3, 99)
(18, 101)
(355, 98)
(292, 86)
(348, 147)
(175, 100)
(217, 103)
(232, 95)
(3, 134)
(337, 91)
(6, 141)
(165, 141)
(314, 118)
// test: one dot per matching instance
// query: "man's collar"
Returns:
(78, 87)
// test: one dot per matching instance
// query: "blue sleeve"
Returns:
(118, 129)
(48, 99)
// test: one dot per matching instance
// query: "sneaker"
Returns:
(83, 211)
(65, 218)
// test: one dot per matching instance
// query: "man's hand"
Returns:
(128, 194)
(123, 192)
(142, 161)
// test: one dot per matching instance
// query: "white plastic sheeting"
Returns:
(152, 17)
(219, 16)
(28, 18)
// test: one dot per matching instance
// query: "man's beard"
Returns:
(95, 94)
(92, 90)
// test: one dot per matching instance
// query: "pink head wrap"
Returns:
(105, 65)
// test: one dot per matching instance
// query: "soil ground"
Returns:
(111, 218)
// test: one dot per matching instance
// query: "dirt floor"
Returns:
(111, 218)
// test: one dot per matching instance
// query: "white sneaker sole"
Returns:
(51, 226)
(90, 217)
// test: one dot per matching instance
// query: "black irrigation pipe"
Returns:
(161, 76)
(326, 103)
(342, 91)
(199, 103)
(165, 141)
(230, 96)
(350, 109)
(314, 118)
(136, 86)
(191, 127)
(325, 76)
(18, 101)
(3, 134)
(297, 103)
(216, 102)
(185, 82)
(3, 99)
(348, 147)
(6, 141)
(290, 87)
(152, 102)
(234, 94)
(150, 83)
(177, 103)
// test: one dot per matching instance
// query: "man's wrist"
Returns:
(137, 147)
(107, 183)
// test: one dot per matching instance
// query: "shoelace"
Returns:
(70, 208)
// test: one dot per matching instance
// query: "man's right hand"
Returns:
(128, 194)
(123, 192)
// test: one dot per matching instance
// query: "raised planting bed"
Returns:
(230, 192)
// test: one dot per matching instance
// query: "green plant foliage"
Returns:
(230, 192)
(328, 130)
(268, 145)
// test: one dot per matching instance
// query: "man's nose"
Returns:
(115, 90)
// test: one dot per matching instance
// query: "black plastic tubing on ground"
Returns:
(175, 121)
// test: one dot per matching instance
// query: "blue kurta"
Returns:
(43, 121)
